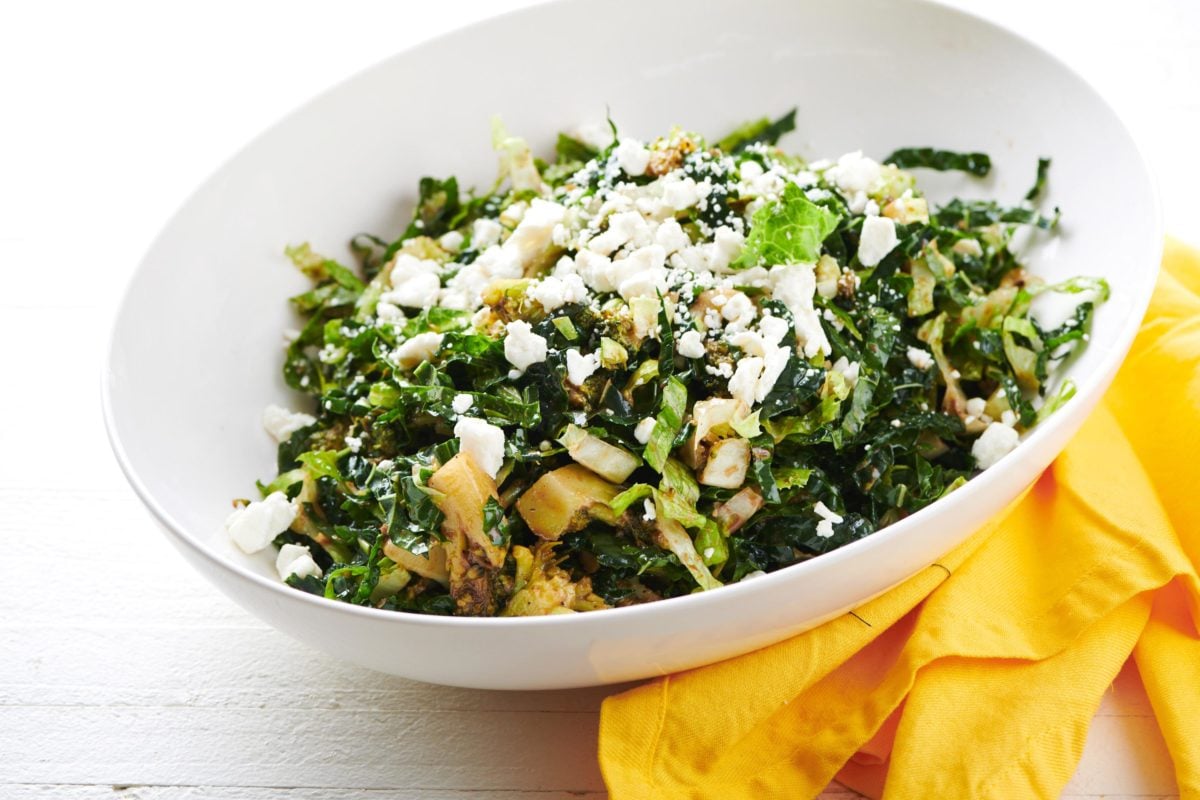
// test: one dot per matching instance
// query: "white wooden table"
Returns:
(122, 673)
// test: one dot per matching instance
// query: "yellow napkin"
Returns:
(979, 676)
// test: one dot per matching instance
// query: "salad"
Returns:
(646, 369)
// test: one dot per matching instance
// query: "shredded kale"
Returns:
(978, 164)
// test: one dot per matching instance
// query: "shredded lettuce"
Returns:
(789, 230)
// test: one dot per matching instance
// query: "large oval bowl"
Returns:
(196, 349)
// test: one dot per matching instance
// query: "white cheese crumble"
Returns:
(744, 383)
(482, 441)
(996, 441)
(421, 347)
(282, 423)
(738, 311)
(670, 236)
(829, 518)
(532, 236)
(794, 286)
(252, 527)
(355, 443)
(632, 156)
(921, 359)
(644, 429)
(853, 173)
(296, 559)
(554, 291)
(690, 345)
(451, 242)
(649, 514)
(580, 367)
(485, 233)
(976, 406)
(415, 282)
(523, 347)
(877, 240)
(847, 369)
(462, 403)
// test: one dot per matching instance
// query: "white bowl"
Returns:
(196, 349)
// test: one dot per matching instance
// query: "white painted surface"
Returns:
(119, 666)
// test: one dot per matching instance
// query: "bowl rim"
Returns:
(697, 601)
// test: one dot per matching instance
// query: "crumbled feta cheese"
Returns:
(996, 441)
(896, 423)
(847, 369)
(595, 270)
(641, 273)
(644, 429)
(581, 367)
(648, 508)
(828, 519)
(252, 527)
(533, 235)
(355, 443)
(421, 347)
(975, 406)
(854, 172)
(420, 290)
(553, 291)
(623, 228)
(451, 242)
(794, 286)
(739, 311)
(462, 403)
(921, 359)
(406, 266)
(749, 170)
(877, 240)
(296, 559)
(1007, 417)
(727, 245)
(773, 329)
(632, 156)
(825, 512)
(758, 573)
(690, 345)
(389, 313)
(482, 441)
(744, 383)
(523, 347)
(671, 237)
(282, 423)
(683, 193)
(485, 233)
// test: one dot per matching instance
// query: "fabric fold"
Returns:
(978, 677)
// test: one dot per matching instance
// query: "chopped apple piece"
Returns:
(565, 500)
(728, 461)
(607, 460)
(737, 510)
(711, 418)
(432, 566)
(473, 559)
